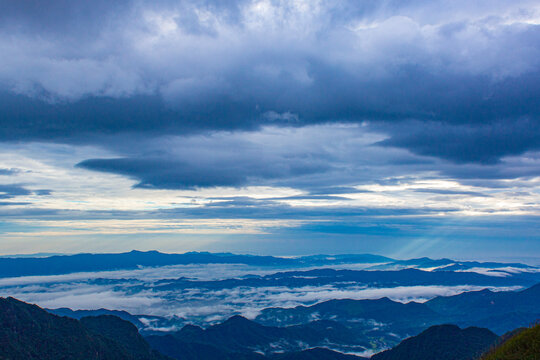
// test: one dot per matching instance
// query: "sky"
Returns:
(402, 128)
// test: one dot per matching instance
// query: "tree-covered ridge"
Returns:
(29, 332)
(525, 345)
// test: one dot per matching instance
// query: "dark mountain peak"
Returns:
(424, 258)
(239, 321)
(444, 328)
(191, 329)
(535, 289)
(485, 291)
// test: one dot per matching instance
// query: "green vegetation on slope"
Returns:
(523, 346)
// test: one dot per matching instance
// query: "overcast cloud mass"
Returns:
(405, 128)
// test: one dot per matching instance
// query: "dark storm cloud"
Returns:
(308, 158)
(483, 143)
(13, 190)
(10, 191)
(462, 85)
(203, 172)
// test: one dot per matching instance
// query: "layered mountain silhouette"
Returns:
(29, 332)
(239, 335)
(65, 264)
(149, 323)
(442, 342)
(498, 311)
(347, 325)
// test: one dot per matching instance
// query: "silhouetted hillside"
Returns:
(120, 331)
(442, 342)
(29, 332)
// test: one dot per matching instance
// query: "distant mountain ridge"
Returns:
(499, 311)
(342, 278)
(64, 264)
(376, 319)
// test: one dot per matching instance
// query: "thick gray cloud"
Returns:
(467, 73)
(9, 191)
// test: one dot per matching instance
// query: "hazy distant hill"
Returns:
(442, 342)
(64, 264)
(351, 311)
(499, 311)
(29, 332)
(343, 278)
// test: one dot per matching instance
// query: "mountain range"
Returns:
(29, 332)
(65, 264)
(238, 335)
(380, 322)
(499, 311)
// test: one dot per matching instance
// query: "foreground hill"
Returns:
(29, 332)
(525, 345)
(442, 342)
